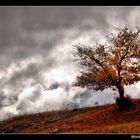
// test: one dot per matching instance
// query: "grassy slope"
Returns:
(104, 119)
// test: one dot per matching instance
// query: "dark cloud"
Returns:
(8, 100)
(54, 86)
(2, 96)
(54, 18)
(31, 71)
(19, 25)
(84, 95)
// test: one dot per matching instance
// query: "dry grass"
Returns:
(104, 119)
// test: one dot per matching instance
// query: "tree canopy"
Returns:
(111, 65)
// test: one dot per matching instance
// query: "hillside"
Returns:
(103, 119)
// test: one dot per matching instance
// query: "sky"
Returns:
(36, 61)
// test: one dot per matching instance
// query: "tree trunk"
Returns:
(121, 91)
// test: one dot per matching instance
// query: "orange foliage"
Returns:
(111, 65)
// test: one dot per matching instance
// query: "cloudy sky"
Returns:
(36, 61)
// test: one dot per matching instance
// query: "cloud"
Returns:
(36, 44)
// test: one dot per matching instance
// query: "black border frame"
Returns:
(68, 3)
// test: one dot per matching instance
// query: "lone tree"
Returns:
(111, 65)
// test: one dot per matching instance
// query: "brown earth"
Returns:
(103, 119)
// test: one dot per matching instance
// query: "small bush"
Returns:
(124, 103)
